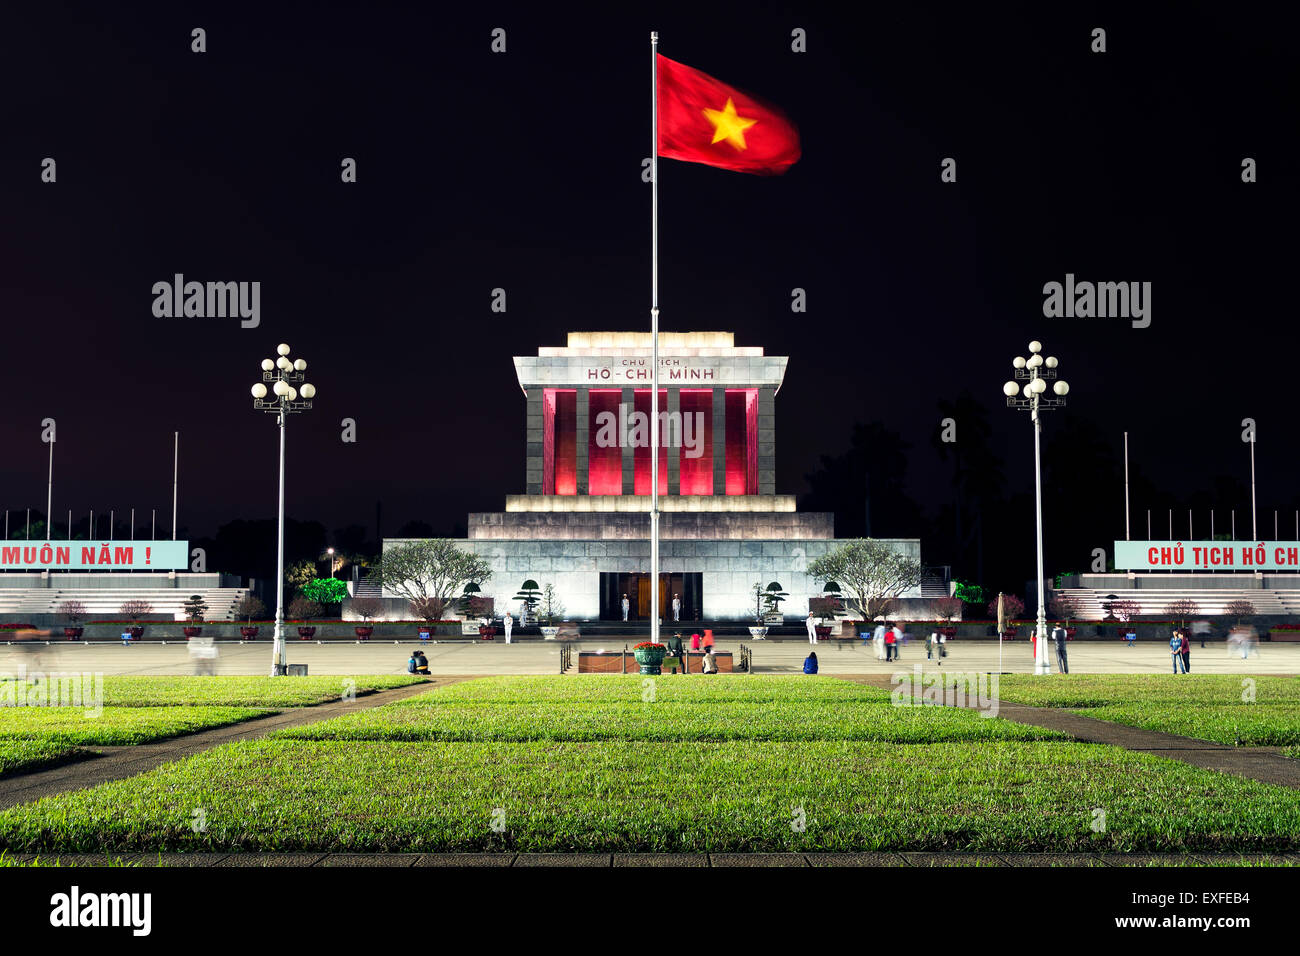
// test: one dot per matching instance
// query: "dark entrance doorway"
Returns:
(637, 588)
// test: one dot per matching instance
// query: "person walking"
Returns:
(1175, 650)
(879, 640)
(891, 643)
(810, 663)
(626, 605)
(708, 641)
(1059, 637)
(677, 650)
(1185, 649)
(811, 624)
(1201, 629)
(677, 607)
(508, 622)
(931, 645)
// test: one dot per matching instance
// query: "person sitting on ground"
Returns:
(710, 662)
(410, 664)
(421, 663)
(810, 663)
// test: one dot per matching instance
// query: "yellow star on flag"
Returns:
(729, 125)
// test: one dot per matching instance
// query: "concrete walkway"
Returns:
(116, 763)
(1266, 764)
(607, 860)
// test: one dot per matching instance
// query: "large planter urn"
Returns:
(306, 633)
(248, 633)
(136, 631)
(823, 631)
(487, 632)
(758, 632)
(192, 632)
(363, 633)
(650, 657)
(73, 633)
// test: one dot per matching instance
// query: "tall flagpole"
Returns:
(654, 337)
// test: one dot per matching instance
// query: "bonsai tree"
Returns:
(760, 601)
(1182, 609)
(871, 572)
(72, 612)
(367, 608)
(135, 609)
(250, 606)
(551, 606)
(773, 595)
(325, 590)
(303, 609)
(530, 595)
(465, 603)
(429, 573)
(195, 608)
(1012, 606)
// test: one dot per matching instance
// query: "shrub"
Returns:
(325, 590)
(73, 612)
(302, 609)
(1012, 607)
(249, 607)
(367, 607)
(135, 609)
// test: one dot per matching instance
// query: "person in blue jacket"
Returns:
(810, 663)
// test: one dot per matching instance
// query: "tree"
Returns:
(195, 607)
(325, 590)
(530, 595)
(367, 607)
(1012, 607)
(1124, 609)
(303, 609)
(1063, 607)
(429, 574)
(871, 573)
(1240, 609)
(135, 609)
(298, 575)
(772, 598)
(946, 609)
(1182, 609)
(552, 606)
(73, 612)
(250, 606)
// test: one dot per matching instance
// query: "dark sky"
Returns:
(522, 171)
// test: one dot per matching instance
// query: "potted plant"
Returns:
(482, 609)
(249, 607)
(758, 630)
(195, 608)
(824, 610)
(133, 611)
(650, 657)
(304, 609)
(366, 608)
(551, 608)
(73, 613)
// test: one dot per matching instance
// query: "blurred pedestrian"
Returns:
(1059, 637)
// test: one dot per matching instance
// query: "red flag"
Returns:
(702, 120)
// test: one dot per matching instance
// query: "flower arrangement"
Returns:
(648, 645)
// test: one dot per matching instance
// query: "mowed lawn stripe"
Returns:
(636, 796)
(121, 690)
(115, 726)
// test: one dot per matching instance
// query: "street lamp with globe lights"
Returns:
(1036, 371)
(290, 393)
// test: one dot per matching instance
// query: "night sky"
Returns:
(522, 171)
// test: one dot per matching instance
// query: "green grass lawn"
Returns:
(719, 764)
(33, 754)
(1239, 711)
(71, 726)
(131, 691)
(681, 708)
(621, 796)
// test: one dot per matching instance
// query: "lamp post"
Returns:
(330, 552)
(1036, 371)
(284, 374)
